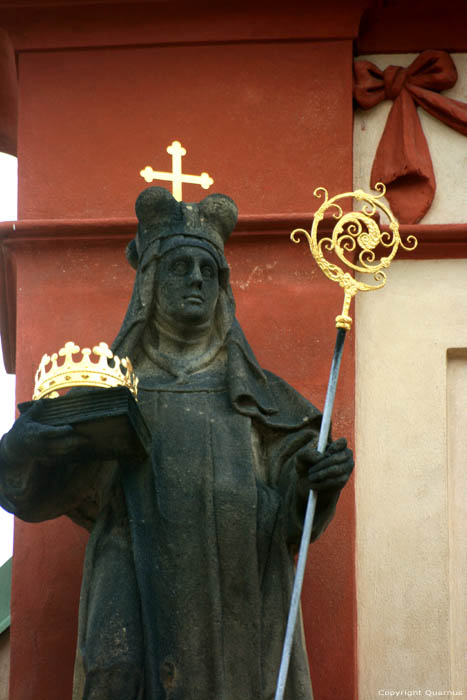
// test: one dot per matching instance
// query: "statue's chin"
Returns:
(193, 320)
(194, 314)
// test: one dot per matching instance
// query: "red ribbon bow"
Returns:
(403, 160)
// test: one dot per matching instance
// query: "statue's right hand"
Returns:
(28, 438)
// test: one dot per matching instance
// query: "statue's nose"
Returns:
(196, 276)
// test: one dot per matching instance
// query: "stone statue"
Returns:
(189, 566)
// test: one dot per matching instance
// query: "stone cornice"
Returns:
(51, 25)
(435, 241)
(29, 230)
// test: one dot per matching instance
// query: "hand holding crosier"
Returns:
(324, 472)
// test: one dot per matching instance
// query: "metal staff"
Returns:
(355, 234)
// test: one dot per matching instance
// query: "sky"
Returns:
(8, 212)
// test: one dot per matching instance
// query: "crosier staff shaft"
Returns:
(309, 516)
(353, 245)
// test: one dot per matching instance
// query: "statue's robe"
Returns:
(189, 566)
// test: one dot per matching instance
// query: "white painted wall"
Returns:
(411, 408)
(411, 533)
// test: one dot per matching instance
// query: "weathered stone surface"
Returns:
(189, 565)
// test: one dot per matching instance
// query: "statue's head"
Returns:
(164, 224)
(182, 273)
(186, 241)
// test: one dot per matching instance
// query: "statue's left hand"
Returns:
(328, 471)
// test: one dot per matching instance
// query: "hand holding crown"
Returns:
(30, 437)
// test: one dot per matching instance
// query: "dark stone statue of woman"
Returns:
(189, 566)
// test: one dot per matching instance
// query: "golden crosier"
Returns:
(52, 376)
(358, 234)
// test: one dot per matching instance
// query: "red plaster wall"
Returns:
(8, 95)
(286, 307)
(66, 292)
(269, 121)
(55, 24)
(252, 115)
(399, 26)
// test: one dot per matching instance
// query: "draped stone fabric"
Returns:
(189, 567)
(402, 161)
(190, 562)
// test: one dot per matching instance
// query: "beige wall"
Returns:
(411, 437)
(457, 503)
(447, 147)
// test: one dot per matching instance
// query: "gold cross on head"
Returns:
(176, 177)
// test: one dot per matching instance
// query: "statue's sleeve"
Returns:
(36, 488)
(280, 451)
(295, 507)
(294, 424)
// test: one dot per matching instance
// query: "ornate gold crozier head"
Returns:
(357, 241)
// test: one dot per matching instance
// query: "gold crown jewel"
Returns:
(108, 371)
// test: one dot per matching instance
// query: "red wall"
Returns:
(66, 291)
(79, 290)
(287, 308)
(270, 120)
(253, 115)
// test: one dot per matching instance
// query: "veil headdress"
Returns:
(165, 224)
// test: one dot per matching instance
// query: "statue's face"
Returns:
(187, 285)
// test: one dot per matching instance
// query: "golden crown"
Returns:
(108, 371)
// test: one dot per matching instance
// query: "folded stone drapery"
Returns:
(402, 159)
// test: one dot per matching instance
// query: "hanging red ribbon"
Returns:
(402, 159)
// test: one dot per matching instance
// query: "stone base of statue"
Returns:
(109, 418)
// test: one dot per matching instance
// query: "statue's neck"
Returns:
(180, 351)
(181, 342)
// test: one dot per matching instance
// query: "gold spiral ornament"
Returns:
(354, 240)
